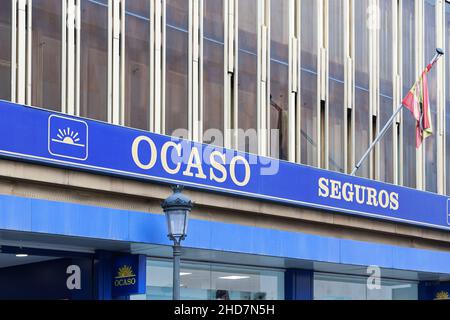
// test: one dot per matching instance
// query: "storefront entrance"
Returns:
(43, 274)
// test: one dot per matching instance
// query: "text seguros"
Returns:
(350, 192)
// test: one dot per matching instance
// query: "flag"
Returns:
(417, 101)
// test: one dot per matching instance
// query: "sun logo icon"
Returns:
(125, 272)
(69, 137)
(442, 295)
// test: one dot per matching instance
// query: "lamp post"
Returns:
(176, 209)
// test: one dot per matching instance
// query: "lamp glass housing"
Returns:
(177, 223)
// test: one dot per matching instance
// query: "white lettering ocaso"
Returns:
(246, 179)
(135, 152)
(164, 152)
(145, 156)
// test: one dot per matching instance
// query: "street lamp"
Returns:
(177, 208)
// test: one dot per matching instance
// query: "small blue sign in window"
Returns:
(68, 138)
(129, 275)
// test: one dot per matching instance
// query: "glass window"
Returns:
(5, 49)
(335, 287)
(336, 94)
(137, 64)
(344, 287)
(430, 50)
(213, 282)
(409, 77)
(46, 67)
(247, 75)
(309, 92)
(94, 60)
(177, 39)
(386, 90)
(362, 98)
(447, 100)
(279, 78)
(213, 71)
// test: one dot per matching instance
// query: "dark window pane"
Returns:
(336, 121)
(177, 38)
(213, 20)
(5, 50)
(447, 100)
(309, 90)
(386, 90)
(137, 64)
(247, 75)
(279, 78)
(362, 108)
(430, 50)
(94, 60)
(46, 68)
(409, 77)
(213, 71)
(139, 8)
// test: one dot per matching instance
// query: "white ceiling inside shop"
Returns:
(10, 260)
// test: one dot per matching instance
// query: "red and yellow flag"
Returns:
(418, 102)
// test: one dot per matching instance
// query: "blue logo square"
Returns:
(68, 138)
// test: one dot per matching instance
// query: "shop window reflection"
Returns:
(213, 282)
(346, 287)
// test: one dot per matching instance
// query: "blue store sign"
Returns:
(129, 275)
(41, 136)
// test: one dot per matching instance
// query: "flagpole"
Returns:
(377, 139)
(439, 53)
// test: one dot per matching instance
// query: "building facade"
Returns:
(301, 87)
